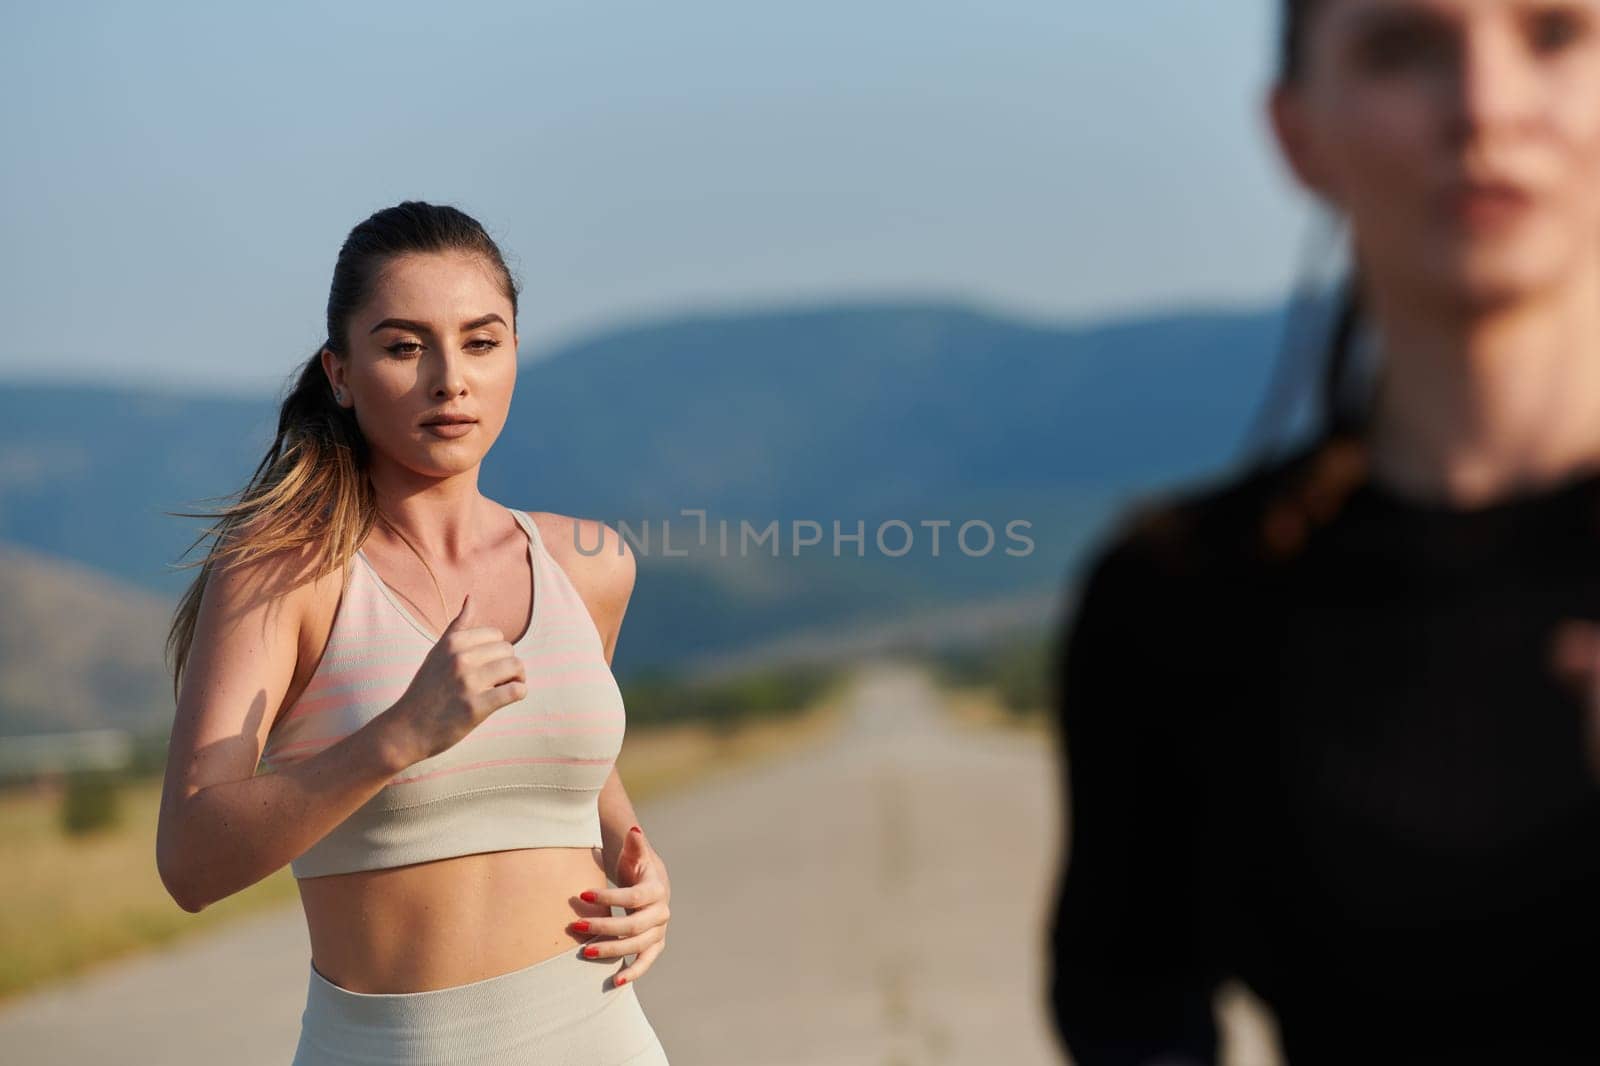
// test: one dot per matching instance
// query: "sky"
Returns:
(178, 177)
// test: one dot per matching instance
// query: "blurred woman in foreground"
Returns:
(1325, 722)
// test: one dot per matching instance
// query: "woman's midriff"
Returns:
(450, 922)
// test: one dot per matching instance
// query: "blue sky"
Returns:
(178, 178)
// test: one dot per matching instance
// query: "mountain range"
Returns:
(893, 416)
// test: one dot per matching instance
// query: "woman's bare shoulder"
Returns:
(598, 562)
(592, 552)
(243, 660)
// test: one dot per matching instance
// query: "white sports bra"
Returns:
(528, 776)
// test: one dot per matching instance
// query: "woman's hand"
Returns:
(471, 672)
(1575, 658)
(643, 889)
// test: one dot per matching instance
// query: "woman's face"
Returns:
(1459, 138)
(437, 337)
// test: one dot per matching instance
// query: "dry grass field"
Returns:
(68, 903)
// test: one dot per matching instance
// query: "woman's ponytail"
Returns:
(312, 487)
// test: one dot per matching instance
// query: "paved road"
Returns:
(878, 899)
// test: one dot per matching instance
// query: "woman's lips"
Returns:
(450, 430)
(1486, 206)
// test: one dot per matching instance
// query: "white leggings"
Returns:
(561, 1011)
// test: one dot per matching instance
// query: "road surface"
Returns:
(877, 899)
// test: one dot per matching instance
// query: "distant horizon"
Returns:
(888, 300)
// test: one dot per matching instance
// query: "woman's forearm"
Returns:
(616, 818)
(228, 836)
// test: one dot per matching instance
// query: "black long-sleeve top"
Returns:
(1349, 778)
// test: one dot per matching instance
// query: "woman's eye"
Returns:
(1553, 30)
(1401, 46)
(408, 348)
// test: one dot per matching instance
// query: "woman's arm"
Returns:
(1129, 983)
(616, 818)
(604, 580)
(222, 827)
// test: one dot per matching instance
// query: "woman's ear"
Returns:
(1286, 114)
(334, 368)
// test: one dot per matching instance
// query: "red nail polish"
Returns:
(591, 951)
(622, 980)
(588, 895)
(582, 927)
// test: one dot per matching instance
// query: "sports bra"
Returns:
(527, 776)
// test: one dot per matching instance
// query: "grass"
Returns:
(73, 902)
(982, 707)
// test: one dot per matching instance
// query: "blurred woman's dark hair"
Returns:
(1294, 17)
(1334, 460)
(312, 485)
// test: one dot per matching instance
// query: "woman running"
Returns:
(1317, 727)
(403, 689)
